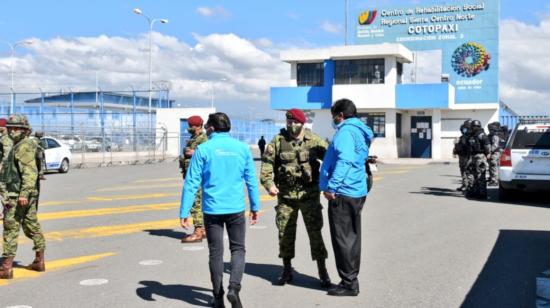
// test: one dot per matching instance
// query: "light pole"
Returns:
(12, 58)
(151, 22)
(212, 90)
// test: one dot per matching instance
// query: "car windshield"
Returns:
(532, 139)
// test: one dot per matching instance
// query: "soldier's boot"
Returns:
(324, 279)
(196, 237)
(286, 275)
(233, 295)
(6, 271)
(38, 263)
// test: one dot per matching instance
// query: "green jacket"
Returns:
(20, 173)
(192, 144)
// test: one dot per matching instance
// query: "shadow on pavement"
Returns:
(189, 294)
(271, 272)
(508, 278)
(166, 233)
(438, 191)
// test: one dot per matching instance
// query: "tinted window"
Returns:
(364, 71)
(532, 139)
(310, 74)
(52, 144)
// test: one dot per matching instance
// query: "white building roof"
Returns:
(402, 53)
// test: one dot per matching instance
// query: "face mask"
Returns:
(17, 136)
(464, 131)
(336, 125)
(191, 130)
(294, 129)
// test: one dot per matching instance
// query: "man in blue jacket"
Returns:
(343, 182)
(222, 165)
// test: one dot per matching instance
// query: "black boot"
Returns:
(324, 279)
(286, 275)
(233, 295)
(217, 302)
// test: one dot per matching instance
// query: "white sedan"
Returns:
(57, 155)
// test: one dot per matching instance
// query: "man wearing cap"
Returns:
(6, 144)
(290, 171)
(197, 137)
(20, 175)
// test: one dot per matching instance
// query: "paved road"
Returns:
(424, 245)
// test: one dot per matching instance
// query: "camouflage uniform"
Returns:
(496, 151)
(461, 149)
(20, 175)
(40, 155)
(479, 148)
(193, 143)
(293, 167)
(7, 144)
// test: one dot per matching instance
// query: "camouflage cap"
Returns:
(18, 120)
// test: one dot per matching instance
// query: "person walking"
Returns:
(20, 175)
(222, 166)
(197, 137)
(343, 184)
(290, 171)
(261, 146)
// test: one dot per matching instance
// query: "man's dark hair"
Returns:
(219, 121)
(346, 107)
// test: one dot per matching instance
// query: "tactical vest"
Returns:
(475, 143)
(11, 175)
(295, 165)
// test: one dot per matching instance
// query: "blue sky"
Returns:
(237, 40)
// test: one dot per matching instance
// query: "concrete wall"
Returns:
(169, 119)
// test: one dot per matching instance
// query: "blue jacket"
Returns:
(220, 165)
(343, 170)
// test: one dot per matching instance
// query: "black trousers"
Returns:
(236, 228)
(344, 217)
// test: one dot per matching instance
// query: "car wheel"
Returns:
(504, 193)
(64, 168)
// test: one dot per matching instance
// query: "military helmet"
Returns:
(468, 123)
(476, 123)
(39, 134)
(18, 120)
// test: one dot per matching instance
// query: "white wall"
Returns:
(169, 119)
(322, 124)
(366, 95)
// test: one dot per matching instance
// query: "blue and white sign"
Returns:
(466, 32)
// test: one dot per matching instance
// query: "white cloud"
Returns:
(212, 11)
(331, 27)
(63, 63)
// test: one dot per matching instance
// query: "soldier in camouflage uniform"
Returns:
(290, 171)
(5, 147)
(40, 155)
(461, 149)
(496, 151)
(197, 137)
(20, 174)
(478, 149)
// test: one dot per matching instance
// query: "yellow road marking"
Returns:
(108, 211)
(22, 273)
(65, 202)
(159, 180)
(133, 187)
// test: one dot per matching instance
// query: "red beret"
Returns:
(296, 114)
(194, 121)
(3, 122)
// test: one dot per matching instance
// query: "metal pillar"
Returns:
(102, 122)
(72, 113)
(134, 130)
(42, 110)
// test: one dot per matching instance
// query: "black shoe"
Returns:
(341, 290)
(217, 302)
(286, 275)
(461, 188)
(324, 279)
(233, 296)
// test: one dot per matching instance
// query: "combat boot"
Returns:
(196, 237)
(38, 263)
(324, 279)
(286, 275)
(6, 271)
(233, 295)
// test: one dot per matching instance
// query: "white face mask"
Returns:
(337, 125)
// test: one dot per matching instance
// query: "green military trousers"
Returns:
(196, 210)
(286, 219)
(15, 217)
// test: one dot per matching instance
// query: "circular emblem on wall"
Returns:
(470, 59)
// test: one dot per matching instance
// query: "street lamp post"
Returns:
(12, 58)
(212, 90)
(151, 22)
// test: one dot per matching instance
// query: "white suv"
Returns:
(525, 162)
